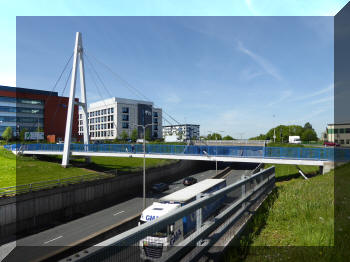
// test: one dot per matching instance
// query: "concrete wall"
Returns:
(27, 212)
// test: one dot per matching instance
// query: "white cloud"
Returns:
(172, 98)
(325, 90)
(282, 97)
(262, 62)
(322, 100)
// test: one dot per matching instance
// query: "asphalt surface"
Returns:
(36, 247)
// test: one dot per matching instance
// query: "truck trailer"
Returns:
(158, 244)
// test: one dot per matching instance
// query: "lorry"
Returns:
(294, 140)
(155, 246)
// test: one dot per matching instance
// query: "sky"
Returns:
(239, 75)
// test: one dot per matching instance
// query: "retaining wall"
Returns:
(27, 212)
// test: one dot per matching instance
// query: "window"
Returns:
(30, 101)
(336, 131)
(347, 141)
(112, 110)
(155, 120)
(341, 130)
(155, 114)
(80, 116)
(112, 133)
(125, 125)
(105, 118)
(336, 141)
(125, 109)
(347, 130)
(342, 141)
(112, 118)
(109, 110)
(155, 127)
(125, 117)
(104, 111)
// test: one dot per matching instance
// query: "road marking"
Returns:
(118, 213)
(52, 240)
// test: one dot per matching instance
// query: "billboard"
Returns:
(33, 135)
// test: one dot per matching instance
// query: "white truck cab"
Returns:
(153, 247)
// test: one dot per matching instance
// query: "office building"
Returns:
(339, 134)
(32, 109)
(109, 118)
(182, 132)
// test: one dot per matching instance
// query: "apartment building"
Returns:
(339, 133)
(181, 132)
(109, 118)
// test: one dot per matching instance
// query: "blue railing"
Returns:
(327, 154)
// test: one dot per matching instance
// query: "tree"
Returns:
(7, 134)
(124, 136)
(134, 135)
(148, 134)
(228, 138)
(22, 134)
(309, 135)
(214, 136)
(308, 126)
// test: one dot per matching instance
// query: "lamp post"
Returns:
(216, 140)
(144, 162)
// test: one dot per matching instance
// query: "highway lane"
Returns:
(79, 230)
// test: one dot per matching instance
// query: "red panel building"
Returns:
(30, 109)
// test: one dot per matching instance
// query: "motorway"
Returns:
(40, 246)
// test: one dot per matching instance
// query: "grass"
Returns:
(295, 223)
(25, 170)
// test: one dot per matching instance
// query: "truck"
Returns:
(294, 140)
(155, 246)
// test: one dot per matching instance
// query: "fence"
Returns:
(325, 154)
(20, 189)
(154, 240)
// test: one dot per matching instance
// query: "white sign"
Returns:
(33, 135)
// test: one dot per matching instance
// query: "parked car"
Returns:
(159, 187)
(189, 181)
(330, 144)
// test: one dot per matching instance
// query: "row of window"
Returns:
(342, 141)
(101, 112)
(21, 110)
(21, 119)
(109, 133)
(338, 131)
(21, 100)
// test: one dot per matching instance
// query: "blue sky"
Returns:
(241, 75)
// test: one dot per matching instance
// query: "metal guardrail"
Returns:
(20, 189)
(231, 142)
(301, 153)
(128, 246)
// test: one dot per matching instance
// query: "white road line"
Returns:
(52, 240)
(118, 213)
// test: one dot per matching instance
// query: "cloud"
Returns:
(172, 98)
(322, 100)
(262, 62)
(284, 95)
(325, 90)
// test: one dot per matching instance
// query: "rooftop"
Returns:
(27, 91)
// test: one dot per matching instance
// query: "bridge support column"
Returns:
(78, 55)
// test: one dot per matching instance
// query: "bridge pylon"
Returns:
(77, 59)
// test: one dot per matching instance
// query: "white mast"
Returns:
(78, 54)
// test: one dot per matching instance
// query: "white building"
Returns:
(110, 117)
(180, 132)
(339, 134)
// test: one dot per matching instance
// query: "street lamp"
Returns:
(144, 161)
(216, 141)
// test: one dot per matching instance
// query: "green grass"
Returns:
(299, 213)
(25, 170)
(123, 164)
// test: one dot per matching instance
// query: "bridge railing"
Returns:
(324, 154)
(154, 238)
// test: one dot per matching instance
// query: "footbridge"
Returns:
(251, 154)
